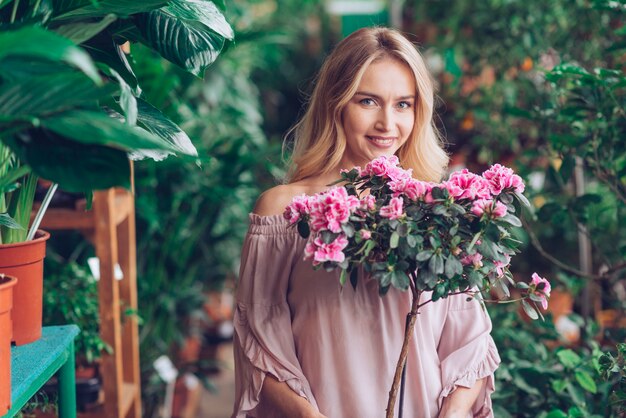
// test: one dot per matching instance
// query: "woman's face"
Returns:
(380, 116)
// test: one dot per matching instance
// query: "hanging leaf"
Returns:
(76, 167)
(530, 311)
(190, 33)
(354, 277)
(73, 9)
(35, 42)
(83, 31)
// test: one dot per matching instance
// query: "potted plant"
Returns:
(70, 105)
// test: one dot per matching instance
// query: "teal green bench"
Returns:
(32, 365)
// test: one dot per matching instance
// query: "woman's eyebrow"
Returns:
(365, 93)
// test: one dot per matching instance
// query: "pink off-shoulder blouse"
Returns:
(338, 347)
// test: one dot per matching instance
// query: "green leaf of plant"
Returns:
(7, 221)
(189, 33)
(394, 240)
(303, 229)
(435, 264)
(354, 277)
(411, 240)
(342, 277)
(424, 255)
(151, 119)
(530, 311)
(559, 385)
(83, 31)
(400, 280)
(35, 42)
(105, 51)
(511, 219)
(41, 96)
(452, 267)
(90, 127)
(76, 167)
(556, 413)
(73, 9)
(569, 358)
(586, 381)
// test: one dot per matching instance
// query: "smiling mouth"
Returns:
(381, 141)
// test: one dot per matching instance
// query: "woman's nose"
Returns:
(384, 120)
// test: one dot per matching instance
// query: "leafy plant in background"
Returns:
(490, 59)
(71, 297)
(70, 105)
(534, 380)
(190, 242)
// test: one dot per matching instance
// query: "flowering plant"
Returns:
(446, 238)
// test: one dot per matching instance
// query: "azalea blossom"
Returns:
(332, 209)
(393, 210)
(323, 252)
(413, 189)
(493, 208)
(465, 185)
(501, 265)
(500, 178)
(474, 259)
(541, 288)
(299, 208)
(365, 234)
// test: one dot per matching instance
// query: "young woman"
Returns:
(305, 346)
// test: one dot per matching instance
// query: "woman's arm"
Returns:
(284, 402)
(459, 403)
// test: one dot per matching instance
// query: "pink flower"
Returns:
(501, 178)
(297, 209)
(475, 259)
(499, 210)
(411, 188)
(465, 185)
(500, 265)
(331, 209)
(365, 234)
(493, 209)
(540, 287)
(393, 210)
(323, 252)
(381, 166)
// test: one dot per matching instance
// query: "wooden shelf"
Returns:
(110, 226)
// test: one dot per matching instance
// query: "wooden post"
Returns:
(110, 328)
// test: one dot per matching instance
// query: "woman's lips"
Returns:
(382, 141)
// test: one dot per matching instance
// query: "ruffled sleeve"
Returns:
(264, 341)
(467, 352)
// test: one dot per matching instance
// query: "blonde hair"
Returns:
(319, 140)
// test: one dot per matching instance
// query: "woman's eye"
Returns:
(367, 102)
(404, 105)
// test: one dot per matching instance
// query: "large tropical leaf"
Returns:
(82, 31)
(151, 118)
(71, 9)
(42, 96)
(97, 128)
(103, 49)
(190, 33)
(76, 167)
(42, 44)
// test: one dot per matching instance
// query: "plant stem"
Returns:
(408, 333)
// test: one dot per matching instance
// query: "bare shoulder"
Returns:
(275, 200)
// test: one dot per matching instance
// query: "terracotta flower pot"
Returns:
(7, 286)
(24, 260)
